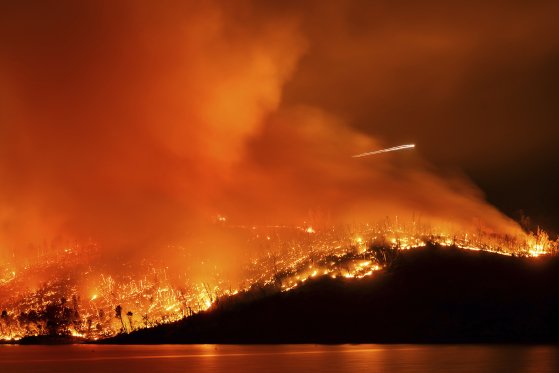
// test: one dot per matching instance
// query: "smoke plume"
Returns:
(136, 123)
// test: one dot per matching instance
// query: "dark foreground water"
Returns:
(278, 358)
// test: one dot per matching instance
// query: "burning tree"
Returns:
(129, 315)
(118, 315)
(5, 322)
(384, 254)
(58, 318)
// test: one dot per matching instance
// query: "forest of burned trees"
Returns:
(56, 318)
(61, 318)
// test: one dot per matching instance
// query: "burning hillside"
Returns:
(84, 299)
(128, 126)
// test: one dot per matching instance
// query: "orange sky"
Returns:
(133, 122)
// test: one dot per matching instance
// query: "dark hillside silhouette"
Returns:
(429, 295)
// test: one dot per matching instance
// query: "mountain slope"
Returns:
(430, 295)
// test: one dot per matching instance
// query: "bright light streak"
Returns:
(393, 149)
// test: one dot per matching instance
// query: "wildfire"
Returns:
(121, 304)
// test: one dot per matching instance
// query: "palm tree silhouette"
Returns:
(118, 315)
(129, 314)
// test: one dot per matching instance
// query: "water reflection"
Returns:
(279, 358)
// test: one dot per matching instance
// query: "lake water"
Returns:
(279, 358)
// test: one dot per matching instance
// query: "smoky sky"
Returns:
(474, 84)
(134, 122)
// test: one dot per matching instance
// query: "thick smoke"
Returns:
(125, 128)
(136, 124)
